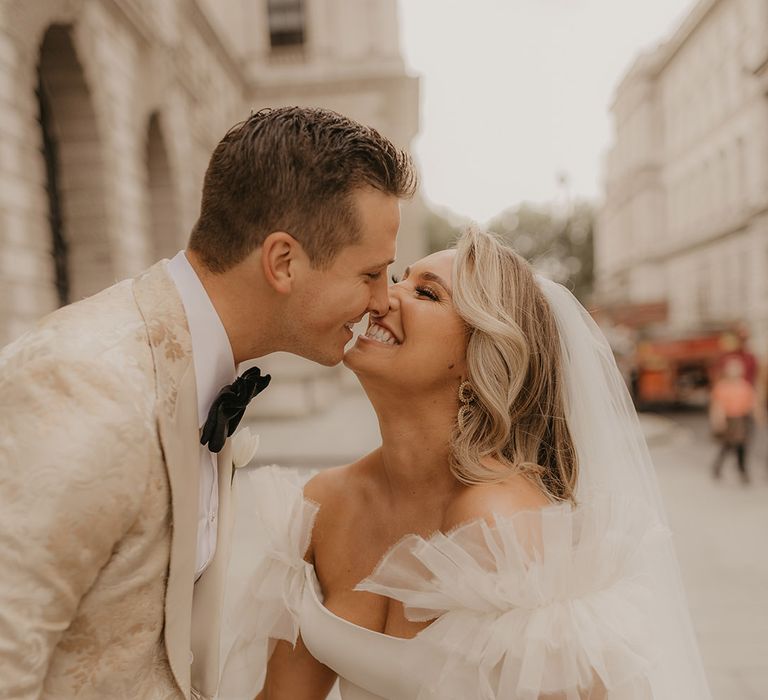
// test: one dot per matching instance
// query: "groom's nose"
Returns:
(379, 304)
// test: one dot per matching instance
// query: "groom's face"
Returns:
(331, 300)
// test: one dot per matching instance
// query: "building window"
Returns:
(286, 23)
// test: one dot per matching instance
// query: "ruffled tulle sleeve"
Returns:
(543, 604)
(267, 573)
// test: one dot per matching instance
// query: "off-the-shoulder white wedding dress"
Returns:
(544, 602)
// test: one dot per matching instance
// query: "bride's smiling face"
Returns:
(421, 342)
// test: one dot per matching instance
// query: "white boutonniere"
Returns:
(244, 446)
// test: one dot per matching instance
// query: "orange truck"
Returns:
(680, 370)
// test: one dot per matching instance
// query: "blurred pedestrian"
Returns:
(735, 345)
(731, 410)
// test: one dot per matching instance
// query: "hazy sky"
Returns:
(515, 91)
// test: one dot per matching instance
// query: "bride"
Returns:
(506, 540)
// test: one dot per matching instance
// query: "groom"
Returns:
(114, 518)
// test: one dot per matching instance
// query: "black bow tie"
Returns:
(229, 406)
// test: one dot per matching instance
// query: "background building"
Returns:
(685, 219)
(110, 109)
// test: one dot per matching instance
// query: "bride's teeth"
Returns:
(380, 334)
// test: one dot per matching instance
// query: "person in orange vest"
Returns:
(734, 345)
(731, 410)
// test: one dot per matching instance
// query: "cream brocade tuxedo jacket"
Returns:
(99, 454)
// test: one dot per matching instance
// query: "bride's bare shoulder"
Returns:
(336, 485)
(514, 494)
(342, 494)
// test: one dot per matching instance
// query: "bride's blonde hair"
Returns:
(513, 364)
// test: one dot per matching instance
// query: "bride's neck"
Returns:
(415, 451)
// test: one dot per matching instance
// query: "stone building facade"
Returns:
(110, 109)
(685, 218)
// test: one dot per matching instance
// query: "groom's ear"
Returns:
(280, 253)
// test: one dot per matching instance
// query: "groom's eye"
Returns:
(373, 275)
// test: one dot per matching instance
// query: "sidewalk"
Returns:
(345, 432)
(659, 430)
(719, 530)
(348, 430)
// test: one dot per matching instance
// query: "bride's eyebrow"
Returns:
(432, 277)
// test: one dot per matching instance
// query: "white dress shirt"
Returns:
(214, 367)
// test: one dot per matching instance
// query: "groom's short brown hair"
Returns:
(293, 169)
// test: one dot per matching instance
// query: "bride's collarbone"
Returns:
(363, 529)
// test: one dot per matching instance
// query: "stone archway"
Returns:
(74, 160)
(163, 213)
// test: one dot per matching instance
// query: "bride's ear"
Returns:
(280, 253)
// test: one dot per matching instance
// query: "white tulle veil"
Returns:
(614, 459)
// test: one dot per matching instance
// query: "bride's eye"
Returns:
(427, 292)
(395, 279)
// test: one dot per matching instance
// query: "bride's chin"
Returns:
(358, 360)
(345, 359)
(350, 356)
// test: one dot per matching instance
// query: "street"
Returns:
(719, 529)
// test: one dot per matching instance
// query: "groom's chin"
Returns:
(329, 357)
(328, 354)
(327, 360)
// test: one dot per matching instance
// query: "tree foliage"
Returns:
(559, 244)
(557, 241)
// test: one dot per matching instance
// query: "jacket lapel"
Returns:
(177, 419)
(209, 590)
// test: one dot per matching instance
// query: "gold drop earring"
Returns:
(466, 398)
